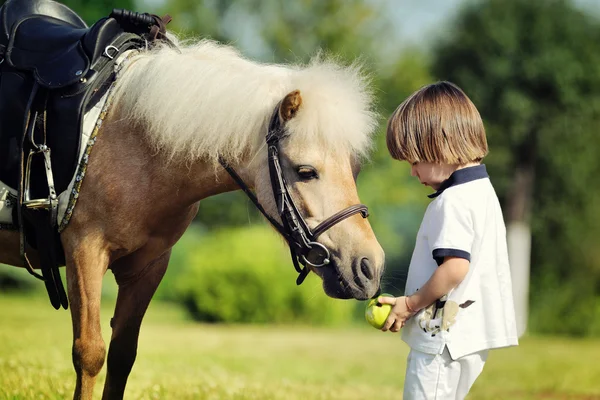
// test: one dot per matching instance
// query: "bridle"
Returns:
(304, 247)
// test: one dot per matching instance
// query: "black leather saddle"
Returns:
(71, 64)
(55, 51)
(53, 69)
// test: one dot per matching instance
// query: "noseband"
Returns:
(304, 247)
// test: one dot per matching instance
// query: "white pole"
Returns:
(518, 236)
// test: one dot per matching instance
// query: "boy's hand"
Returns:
(398, 315)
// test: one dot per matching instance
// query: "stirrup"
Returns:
(51, 202)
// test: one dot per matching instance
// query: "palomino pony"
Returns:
(175, 116)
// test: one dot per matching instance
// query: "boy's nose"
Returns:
(413, 170)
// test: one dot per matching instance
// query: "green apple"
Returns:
(377, 313)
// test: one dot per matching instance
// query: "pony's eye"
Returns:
(307, 173)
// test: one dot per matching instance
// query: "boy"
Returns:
(458, 301)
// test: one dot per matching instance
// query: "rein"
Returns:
(304, 247)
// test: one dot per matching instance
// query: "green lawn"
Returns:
(179, 359)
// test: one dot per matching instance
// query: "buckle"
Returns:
(317, 256)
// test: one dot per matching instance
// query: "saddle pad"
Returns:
(90, 120)
(91, 124)
(6, 205)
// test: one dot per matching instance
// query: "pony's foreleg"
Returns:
(132, 302)
(87, 262)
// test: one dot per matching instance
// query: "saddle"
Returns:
(53, 69)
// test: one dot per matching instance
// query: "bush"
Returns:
(245, 275)
(17, 280)
(565, 307)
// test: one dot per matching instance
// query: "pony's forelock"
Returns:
(204, 100)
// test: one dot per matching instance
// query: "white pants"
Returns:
(439, 377)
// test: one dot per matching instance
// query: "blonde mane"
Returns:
(204, 100)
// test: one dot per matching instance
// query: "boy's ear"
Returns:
(289, 106)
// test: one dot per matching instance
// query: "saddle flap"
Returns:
(52, 49)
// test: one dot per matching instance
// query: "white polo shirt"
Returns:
(464, 220)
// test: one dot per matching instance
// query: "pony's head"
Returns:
(205, 102)
(326, 138)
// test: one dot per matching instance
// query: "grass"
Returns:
(178, 359)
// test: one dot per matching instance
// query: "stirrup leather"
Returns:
(40, 213)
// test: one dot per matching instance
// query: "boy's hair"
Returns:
(439, 124)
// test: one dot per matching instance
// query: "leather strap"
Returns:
(339, 217)
(252, 197)
(159, 29)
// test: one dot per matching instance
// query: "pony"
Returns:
(174, 116)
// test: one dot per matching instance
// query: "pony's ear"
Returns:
(290, 105)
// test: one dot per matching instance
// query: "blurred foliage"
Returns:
(198, 17)
(244, 275)
(285, 31)
(533, 70)
(92, 10)
(16, 280)
(227, 210)
(294, 30)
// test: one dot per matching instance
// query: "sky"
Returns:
(418, 19)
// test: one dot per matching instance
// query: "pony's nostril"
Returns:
(365, 268)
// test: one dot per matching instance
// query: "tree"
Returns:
(295, 30)
(92, 10)
(533, 70)
(283, 31)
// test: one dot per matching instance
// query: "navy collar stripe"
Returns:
(460, 176)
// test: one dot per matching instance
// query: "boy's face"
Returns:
(431, 174)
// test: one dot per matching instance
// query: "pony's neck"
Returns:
(202, 179)
(209, 181)
(179, 183)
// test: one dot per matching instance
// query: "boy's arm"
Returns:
(445, 278)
